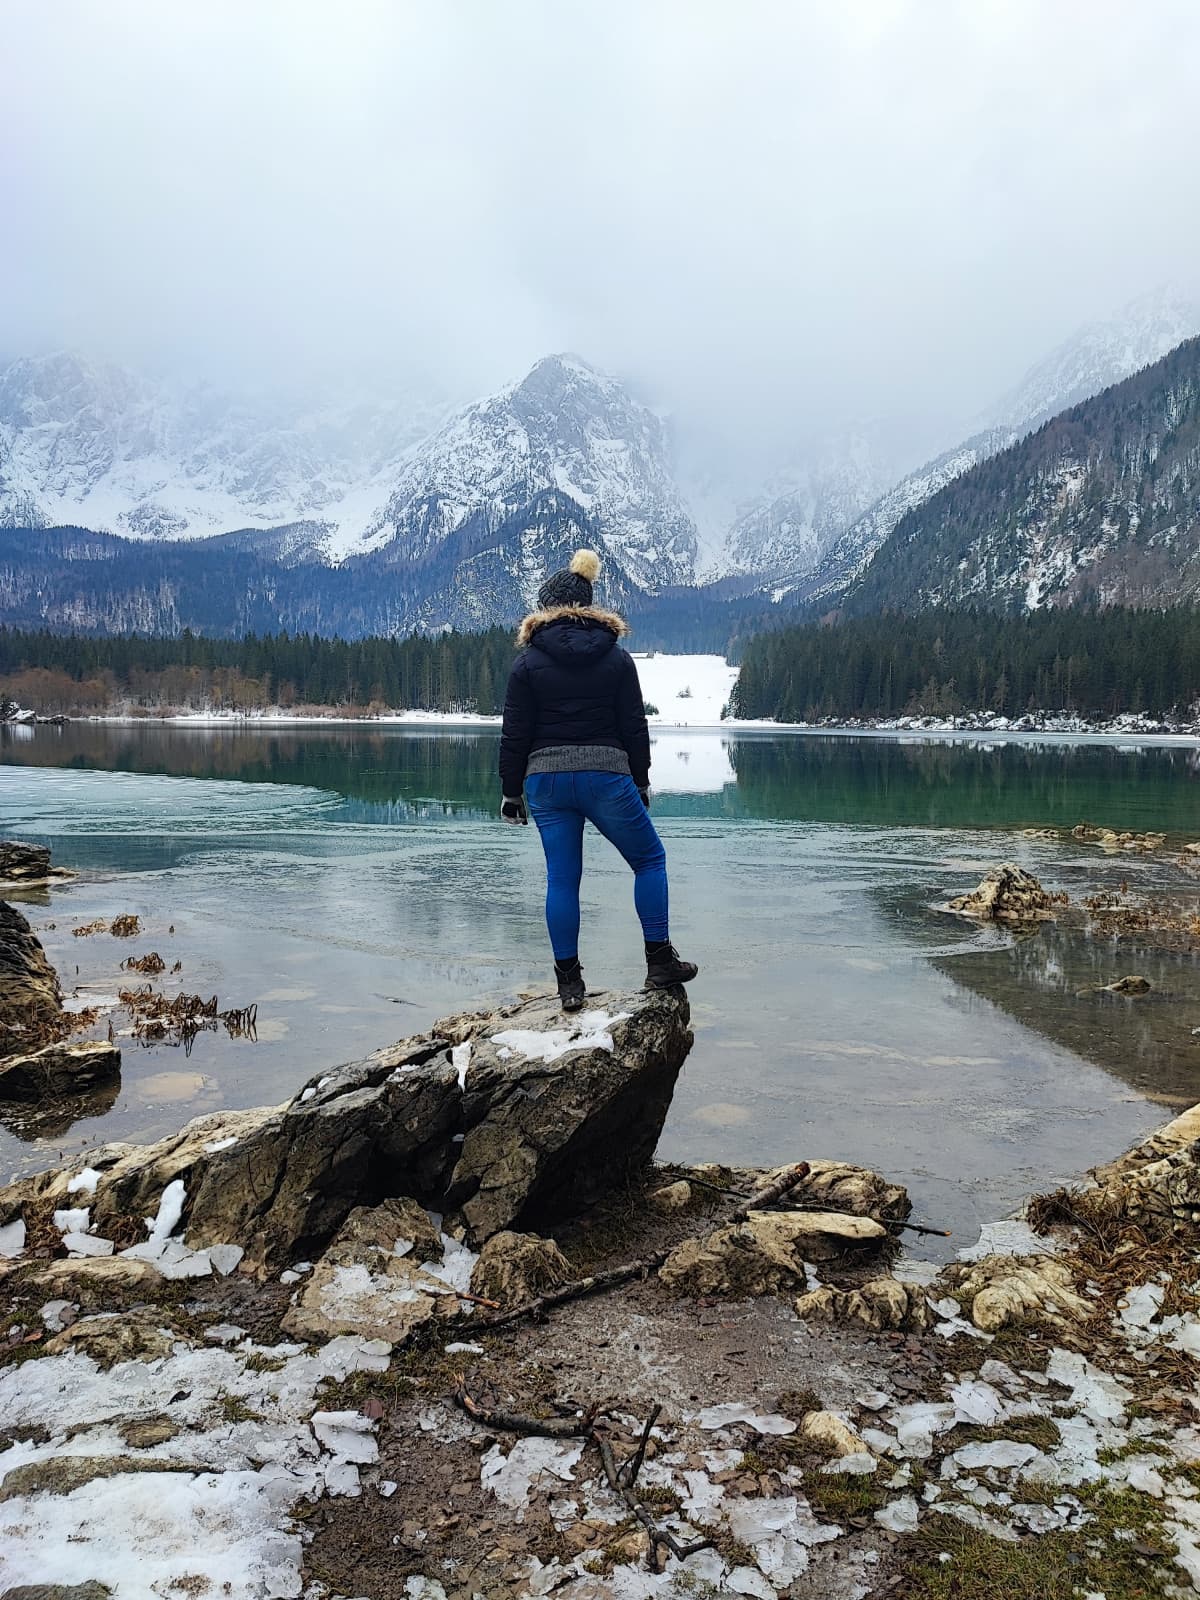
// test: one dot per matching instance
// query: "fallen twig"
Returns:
(658, 1535)
(620, 1479)
(633, 1466)
(595, 1283)
(514, 1422)
(916, 1227)
(773, 1191)
(462, 1294)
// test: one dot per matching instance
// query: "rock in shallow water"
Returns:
(24, 863)
(1008, 894)
(58, 1070)
(28, 984)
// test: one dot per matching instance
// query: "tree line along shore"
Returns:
(1094, 665)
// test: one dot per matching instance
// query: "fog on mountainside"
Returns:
(432, 517)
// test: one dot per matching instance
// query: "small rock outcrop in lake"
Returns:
(511, 1116)
(29, 986)
(38, 1068)
(1111, 840)
(58, 1070)
(27, 863)
(1009, 894)
(1131, 985)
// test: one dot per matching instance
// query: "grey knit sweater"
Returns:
(578, 758)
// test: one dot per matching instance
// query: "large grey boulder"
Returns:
(513, 1115)
(558, 1110)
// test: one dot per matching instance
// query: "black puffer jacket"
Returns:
(572, 684)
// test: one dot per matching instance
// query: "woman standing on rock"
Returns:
(575, 740)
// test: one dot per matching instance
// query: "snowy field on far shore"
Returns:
(689, 691)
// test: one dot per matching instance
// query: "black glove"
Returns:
(645, 794)
(514, 811)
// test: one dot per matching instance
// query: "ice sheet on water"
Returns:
(1011, 1238)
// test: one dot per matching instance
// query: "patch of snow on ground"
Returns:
(73, 1221)
(218, 1513)
(460, 1058)
(170, 1210)
(709, 681)
(455, 1267)
(762, 1422)
(84, 1182)
(12, 1238)
(590, 1031)
(510, 1477)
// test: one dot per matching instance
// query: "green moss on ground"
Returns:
(1122, 1552)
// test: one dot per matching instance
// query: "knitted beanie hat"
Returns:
(573, 585)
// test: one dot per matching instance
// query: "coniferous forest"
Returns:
(448, 672)
(940, 663)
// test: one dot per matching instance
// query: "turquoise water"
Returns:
(355, 884)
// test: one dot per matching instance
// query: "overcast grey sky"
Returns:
(750, 207)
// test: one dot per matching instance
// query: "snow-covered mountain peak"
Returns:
(1098, 354)
(565, 426)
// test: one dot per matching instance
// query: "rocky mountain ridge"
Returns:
(455, 516)
(1100, 505)
(1097, 356)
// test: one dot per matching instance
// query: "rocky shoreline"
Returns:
(1130, 725)
(438, 1327)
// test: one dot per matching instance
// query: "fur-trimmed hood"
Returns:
(592, 615)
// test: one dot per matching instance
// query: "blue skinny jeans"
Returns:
(560, 803)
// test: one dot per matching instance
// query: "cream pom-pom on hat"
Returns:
(573, 585)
